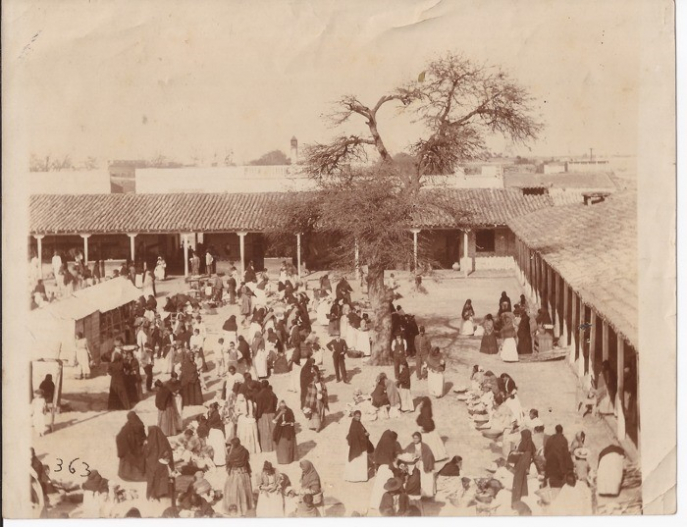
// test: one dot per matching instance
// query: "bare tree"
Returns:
(460, 104)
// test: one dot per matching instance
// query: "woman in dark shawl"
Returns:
(524, 335)
(311, 483)
(359, 446)
(504, 303)
(265, 410)
(424, 461)
(524, 457)
(245, 359)
(387, 450)
(159, 462)
(379, 396)
(316, 401)
(130, 440)
(191, 393)
(238, 491)
(48, 388)
(167, 413)
(307, 375)
(284, 434)
(334, 319)
(452, 468)
(118, 399)
(558, 459)
(489, 345)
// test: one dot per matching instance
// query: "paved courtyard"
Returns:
(85, 429)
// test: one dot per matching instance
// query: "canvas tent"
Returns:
(53, 327)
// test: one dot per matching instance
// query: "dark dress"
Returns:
(130, 440)
(157, 473)
(524, 336)
(489, 345)
(118, 399)
(191, 394)
(284, 437)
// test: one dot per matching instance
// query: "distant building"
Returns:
(587, 165)
(123, 175)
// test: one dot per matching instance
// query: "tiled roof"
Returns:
(566, 180)
(594, 249)
(122, 213)
(207, 212)
(487, 207)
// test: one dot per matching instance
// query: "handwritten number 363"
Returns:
(72, 470)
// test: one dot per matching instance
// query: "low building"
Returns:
(143, 226)
(580, 262)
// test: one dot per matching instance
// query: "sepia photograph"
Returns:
(319, 259)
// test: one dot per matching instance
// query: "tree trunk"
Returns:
(380, 300)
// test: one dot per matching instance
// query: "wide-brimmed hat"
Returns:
(392, 485)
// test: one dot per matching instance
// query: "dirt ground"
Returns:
(86, 430)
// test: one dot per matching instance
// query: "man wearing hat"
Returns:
(394, 501)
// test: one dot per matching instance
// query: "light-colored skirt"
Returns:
(295, 378)
(384, 474)
(179, 407)
(363, 343)
(407, 404)
(247, 432)
(436, 445)
(218, 444)
(238, 491)
(435, 383)
(322, 312)
(356, 470)
(270, 505)
(468, 328)
(509, 350)
(260, 363)
(344, 328)
(427, 482)
(265, 430)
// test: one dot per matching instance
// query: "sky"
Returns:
(134, 79)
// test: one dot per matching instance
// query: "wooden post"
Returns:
(575, 329)
(566, 321)
(242, 247)
(415, 233)
(466, 241)
(582, 365)
(357, 261)
(132, 246)
(85, 248)
(604, 340)
(592, 341)
(39, 254)
(298, 255)
(620, 393)
(184, 242)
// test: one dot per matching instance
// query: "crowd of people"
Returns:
(198, 455)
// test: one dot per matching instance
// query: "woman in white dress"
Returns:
(344, 325)
(359, 445)
(427, 427)
(259, 355)
(246, 425)
(435, 372)
(468, 314)
(160, 269)
(323, 309)
(363, 344)
(509, 348)
(83, 356)
(423, 458)
(270, 494)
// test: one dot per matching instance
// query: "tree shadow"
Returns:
(447, 388)
(305, 448)
(333, 418)
(334, 508)
(333, 398)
